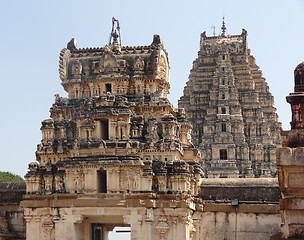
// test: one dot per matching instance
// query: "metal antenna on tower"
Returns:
(224, 27)
(213, 27)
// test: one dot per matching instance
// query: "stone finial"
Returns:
(157, 40)
(115, 33)
(296, 99)
(299, 78)
(72, 44)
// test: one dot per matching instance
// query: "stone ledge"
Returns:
(242, 208)
(247, 190)
(240, 182)
(290, 156)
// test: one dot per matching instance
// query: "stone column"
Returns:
(174, 221)
(38, 228)
(135, 221)
(58, 228)
(196, 233)
(149, 218)
(29, 235)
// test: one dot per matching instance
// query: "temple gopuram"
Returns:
(115, 153)
(228, 102)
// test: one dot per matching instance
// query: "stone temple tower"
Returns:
(227, 100)
(115, 152)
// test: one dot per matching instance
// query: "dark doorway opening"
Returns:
(223, 154)
(96, 231)
(108, 87)
(104, 128)
(101, 181)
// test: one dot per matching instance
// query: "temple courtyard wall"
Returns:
(12, 223)
(240, 208)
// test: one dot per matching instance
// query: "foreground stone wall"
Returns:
(290, 165)
(240, 209)
(231, 224)
(258, 190)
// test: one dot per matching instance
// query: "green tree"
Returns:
(10, 177)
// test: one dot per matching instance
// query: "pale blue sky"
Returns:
(33, 32)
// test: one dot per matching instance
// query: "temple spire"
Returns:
(223, 28)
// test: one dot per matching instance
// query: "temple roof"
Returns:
(299, 78)
(11, 193)
(85, 64)
(232, 44)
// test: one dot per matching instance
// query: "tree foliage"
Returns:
(10, 177)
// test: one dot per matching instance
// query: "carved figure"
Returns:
(152, 135)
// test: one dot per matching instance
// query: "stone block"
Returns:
(284, 156)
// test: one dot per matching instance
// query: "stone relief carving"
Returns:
(162, 227)
(76, 68)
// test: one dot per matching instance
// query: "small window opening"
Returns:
(223, 96)
(223, 154)
(258, 131)
(223, 57)
(108, 87)
(223, 110)
(96, 64)
(223, 69)
(223, 82)
(104, 129)
(224, 129)
(121, 133)
(247, 132)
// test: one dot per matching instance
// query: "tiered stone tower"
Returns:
(229, 104)
(115, 152)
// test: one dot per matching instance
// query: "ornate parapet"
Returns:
(290, 164)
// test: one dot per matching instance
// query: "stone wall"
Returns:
(240, 209)
(258, 190)
(228, 223)
(290, 165)
(12, 224)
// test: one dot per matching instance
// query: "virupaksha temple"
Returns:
(116, 153)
